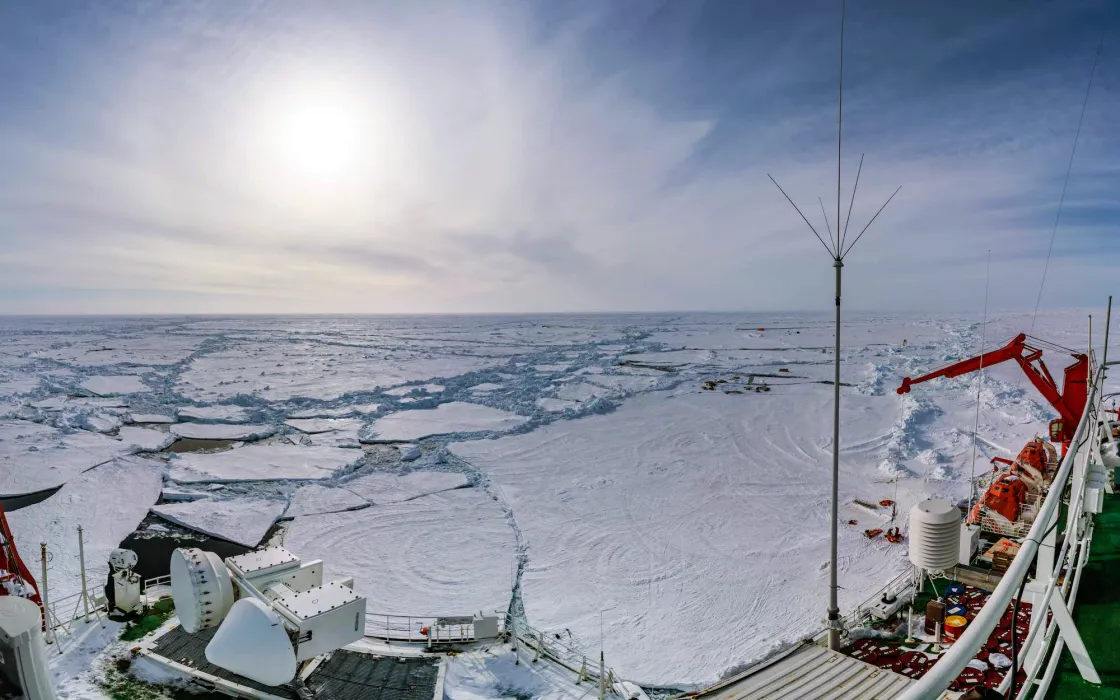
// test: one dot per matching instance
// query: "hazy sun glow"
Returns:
(319, 137)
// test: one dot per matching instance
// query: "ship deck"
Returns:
(810, 671)
(1097, 614)
(345, 675)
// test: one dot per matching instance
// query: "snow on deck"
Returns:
(444, 554)
(222, 431)
(34, 457)
(242, 520)
(454, 417)
(114, 385)
(383, 487)
(109, 502)
(705, 540)
(262, 462)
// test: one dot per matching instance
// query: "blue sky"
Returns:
(550, 156)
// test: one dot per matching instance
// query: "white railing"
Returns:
(950, 665)
(441, 629)
(896, 588)
(72, 610)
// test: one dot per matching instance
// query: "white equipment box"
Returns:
(327, 617)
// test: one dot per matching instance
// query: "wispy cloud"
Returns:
(548, 156)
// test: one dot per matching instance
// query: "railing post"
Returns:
(82, 568)
(48, 625)
(602, 677)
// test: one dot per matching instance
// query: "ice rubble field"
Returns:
(574, 459)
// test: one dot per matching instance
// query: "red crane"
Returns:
(15, 579)
(1069, 402)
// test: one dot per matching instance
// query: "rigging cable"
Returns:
(1069, 168)
(979, 383)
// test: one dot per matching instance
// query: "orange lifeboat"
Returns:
(1034, 460)
(1004, 496)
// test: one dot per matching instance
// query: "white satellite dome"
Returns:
(935, 534)
(201, 587)
(253, 642)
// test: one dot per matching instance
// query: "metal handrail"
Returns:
(950, 665)
(408, 628)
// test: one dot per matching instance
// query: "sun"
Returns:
(319, 137)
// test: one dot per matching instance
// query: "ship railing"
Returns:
(1058, 576)
(861, 615)
(561, 648)
(155, 588)
(440, 629)
(62, 613)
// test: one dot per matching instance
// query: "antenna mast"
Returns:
(837, 252)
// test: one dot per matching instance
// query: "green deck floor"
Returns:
(1097, 614)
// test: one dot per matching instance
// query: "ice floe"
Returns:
(262, 462)
(323, 425)
(443, 554)
(717, 518)
(108, 502)
(34, 456)
(103, 385)
(242, 520)
(455, 417)
(145, 439)
(339, 412)
(387, 487)
(150, 418)
(314, 499)
(222, 431)
(228, 414)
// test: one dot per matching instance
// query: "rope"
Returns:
(980, 383)
(1069, 168)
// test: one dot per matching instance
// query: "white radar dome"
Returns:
(254, 643)
(935, 542)
(123, 559)
(201, 587)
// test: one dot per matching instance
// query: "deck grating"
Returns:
(346, 675)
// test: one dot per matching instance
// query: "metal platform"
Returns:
(811, 671)
(345, 675)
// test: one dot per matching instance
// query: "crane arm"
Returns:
(1011, 351)
(1069, 403)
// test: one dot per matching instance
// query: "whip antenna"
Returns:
(837, 252)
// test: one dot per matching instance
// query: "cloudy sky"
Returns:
(361, 156)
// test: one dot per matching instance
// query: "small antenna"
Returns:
(852, 203)
(837, 252)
